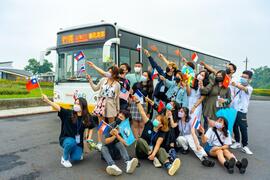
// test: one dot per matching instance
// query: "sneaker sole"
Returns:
(133, 165)
(246, 152)
(244, 163)
(157, 164)
(113, 172)
(231, 165)
(175, 166)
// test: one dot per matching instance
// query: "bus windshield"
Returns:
(72, 67)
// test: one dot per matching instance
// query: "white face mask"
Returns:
(180, 114)
(137, 69)
(200, 77)
(143, 79)
(108, 74)
(77, 108)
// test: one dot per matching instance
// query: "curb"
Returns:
(27, 114)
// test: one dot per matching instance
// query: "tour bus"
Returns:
(106, 44)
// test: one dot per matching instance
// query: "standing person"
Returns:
(137, 76)
(108, 104)
(243, 91)
(114, 143)
(151, 144)
(217, 97)
(73, 124)
(217, 141)
(178, 90)
(125, 88)
(148, 87)
(188, 138)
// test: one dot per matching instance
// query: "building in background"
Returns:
(8, 72)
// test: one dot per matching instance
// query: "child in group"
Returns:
(217, 141)
(188, 138)
(115, 143)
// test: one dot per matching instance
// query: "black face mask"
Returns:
(219, 79)
(177, 79)
(118, 121)
(167, 69)
(228, 71)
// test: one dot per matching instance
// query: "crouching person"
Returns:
(217, 141)
(115, 143)
(73, 124)
(188, 138)
(151, 143)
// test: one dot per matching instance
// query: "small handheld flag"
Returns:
(82, 69)
(139, 47)
(79, 56)
(226, 81)
(161, 106)
(154, 74)
(154, 48)
(194, 57)
(103, 127)
(196, 123)
(126, 132)
(139, 96)
(177, 52)
(32, 84)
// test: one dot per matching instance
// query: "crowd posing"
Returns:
(177, 116)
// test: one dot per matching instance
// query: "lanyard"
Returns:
(183, 127)
(152, 138)
(78, 128)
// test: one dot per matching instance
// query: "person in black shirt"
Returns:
(150, 144)
(73, 124)
(115, 145)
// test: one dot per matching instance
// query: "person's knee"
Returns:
(77, 154)
(69, 142)
(180, 141)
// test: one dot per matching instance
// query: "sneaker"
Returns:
(81, 157)
(66, 163)
(236, 145)
(230, 165)
(242, 165)
(157, 163)
(172, 154)
(233, 140)
(208, 163)
(113, 170)
(99, 146)
(131, 165)
(174, 167)
(185, 151)
(246, 150)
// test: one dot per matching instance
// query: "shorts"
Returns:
(208, 148)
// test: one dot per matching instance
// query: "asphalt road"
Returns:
(29, 150)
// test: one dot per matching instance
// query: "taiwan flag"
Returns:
(32, 84)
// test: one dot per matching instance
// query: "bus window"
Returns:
(128, 56)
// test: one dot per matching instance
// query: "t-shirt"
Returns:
(68, 129)
(212, 139)
(134, 78)
(241, 100)
(184, 128)
(108, 135)
(150, 136)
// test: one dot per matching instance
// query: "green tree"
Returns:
(261, 78)
(35, 67)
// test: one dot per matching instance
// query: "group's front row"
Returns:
(161, 137)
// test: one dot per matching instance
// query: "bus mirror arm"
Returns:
(107, 49)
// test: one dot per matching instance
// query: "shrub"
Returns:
(261, 92)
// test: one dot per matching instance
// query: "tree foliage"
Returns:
(261, 78)
(36, 68)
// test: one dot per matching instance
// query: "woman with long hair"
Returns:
(73, 125)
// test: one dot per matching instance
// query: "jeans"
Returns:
(72, 151)
(108, 156)
(241, 122)
(142, 150)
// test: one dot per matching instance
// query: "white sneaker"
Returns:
(233, 140)
(66, 163)
(157, 163)
(113, 170)
(131, 165)
(247, 150)
(99, 146)
(81, 157)
(236, 145)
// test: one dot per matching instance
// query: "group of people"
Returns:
(165, 122)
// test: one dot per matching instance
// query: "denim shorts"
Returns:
(208, 148)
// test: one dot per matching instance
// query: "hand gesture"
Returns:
(221, 100)
(91, 64)
(202, 63)
(161, 56)
(146, 52)
(162, 78)
(151, 157)
(88, 77)
(44, 98)
(199, 148)
(233, 83)
(192, 110)
(201, 129)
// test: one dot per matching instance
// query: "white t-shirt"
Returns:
(241, 99)
(212, 139)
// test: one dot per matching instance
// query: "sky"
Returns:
(231, 29)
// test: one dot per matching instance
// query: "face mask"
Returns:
(118, 121)
(244, 81)
(177, 79)
(169, 106)
(155, 123)
(77, 108)
(200, 77)
(108, 74)
(219, 79)
(218, 125)
(137, 69)
(167, 69)
(180, 114)
(143, 79)
(228, 71)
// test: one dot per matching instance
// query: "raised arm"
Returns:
(99, 70)
(162, 57)
(153, 63)
(93, 86)
(141, 110)
(208, 67)
(49, 102)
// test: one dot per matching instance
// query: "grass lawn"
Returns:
(32, 94)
